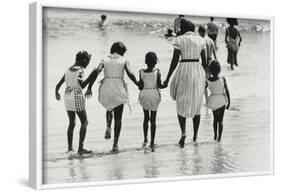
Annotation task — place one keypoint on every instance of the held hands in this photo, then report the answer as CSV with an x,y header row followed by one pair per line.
x,y
227,106
57,96
165,83
88,94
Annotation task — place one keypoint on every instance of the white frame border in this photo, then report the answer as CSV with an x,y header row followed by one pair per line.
x,y
36,94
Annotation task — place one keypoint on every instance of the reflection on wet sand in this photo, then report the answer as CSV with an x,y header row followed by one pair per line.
x,y
151,166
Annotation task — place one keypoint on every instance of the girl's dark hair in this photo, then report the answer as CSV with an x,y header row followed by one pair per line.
x,y
83,58
232,21
202,29
186,26
119,48
151,58
103,17
215,68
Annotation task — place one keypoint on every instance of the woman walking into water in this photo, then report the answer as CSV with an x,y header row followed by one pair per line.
x,y
188,84
113,93
74,100
233,41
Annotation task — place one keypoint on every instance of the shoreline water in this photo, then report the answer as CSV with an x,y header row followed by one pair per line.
x,y
245,143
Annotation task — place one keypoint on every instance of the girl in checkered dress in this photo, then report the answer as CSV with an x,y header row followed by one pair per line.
x,y
74,100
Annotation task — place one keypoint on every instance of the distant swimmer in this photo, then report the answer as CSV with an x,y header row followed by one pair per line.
x,y
212,30
177,24
102,22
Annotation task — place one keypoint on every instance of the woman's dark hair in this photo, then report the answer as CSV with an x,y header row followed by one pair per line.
x,y
151,58
232,21
83,58
103,17
215,68
186,26
119,48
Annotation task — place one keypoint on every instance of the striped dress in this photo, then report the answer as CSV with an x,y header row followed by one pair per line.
x,y
188,84
73,96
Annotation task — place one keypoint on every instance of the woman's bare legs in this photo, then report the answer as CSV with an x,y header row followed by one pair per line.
x,y
196,123
182,122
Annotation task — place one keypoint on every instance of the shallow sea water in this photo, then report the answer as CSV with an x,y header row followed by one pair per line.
x,y
245,145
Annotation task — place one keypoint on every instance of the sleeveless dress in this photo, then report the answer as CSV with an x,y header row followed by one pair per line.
x,y
217,99
149,97
232,44
188,84
73,95
113,89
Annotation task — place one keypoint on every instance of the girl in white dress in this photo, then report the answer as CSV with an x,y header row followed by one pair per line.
x,y
219,100
149,97
188,84
113,93
74,100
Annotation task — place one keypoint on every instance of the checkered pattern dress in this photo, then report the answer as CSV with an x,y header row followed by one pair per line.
x,y
73,96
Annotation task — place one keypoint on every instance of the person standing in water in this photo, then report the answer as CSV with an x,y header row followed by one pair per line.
x,y
102,22
219,100
74,100
212,30
233,41
210,46
113,92
188,84
177,24
149,97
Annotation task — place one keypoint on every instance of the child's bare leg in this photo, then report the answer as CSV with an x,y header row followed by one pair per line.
x,y
235,58
145,126
109,118
215,124
83,130
153,128
182,122
71,117
196,123
118,111
220,119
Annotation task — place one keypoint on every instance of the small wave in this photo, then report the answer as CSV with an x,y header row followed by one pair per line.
x,y
52,25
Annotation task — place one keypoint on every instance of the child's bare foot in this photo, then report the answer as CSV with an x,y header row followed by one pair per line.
x,y
144,144
84,151
115,148
182,140
194,139
152,147
107,133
